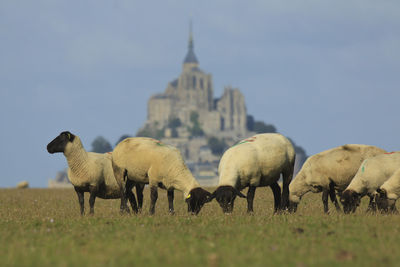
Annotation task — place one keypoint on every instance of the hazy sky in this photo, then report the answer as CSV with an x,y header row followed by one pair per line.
x,y
325,73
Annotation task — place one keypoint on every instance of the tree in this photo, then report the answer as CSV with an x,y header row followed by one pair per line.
x,y
196,129
261,127
101,145
151,131
174,123
217,146
250,123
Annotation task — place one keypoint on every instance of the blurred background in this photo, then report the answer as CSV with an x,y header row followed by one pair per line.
x,y
322,73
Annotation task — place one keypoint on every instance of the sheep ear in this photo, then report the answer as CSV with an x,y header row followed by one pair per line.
x,y
69,136
237,192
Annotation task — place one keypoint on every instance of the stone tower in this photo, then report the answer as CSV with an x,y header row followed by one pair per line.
x,y
192,92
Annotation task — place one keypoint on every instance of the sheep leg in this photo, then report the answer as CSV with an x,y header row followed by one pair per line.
x,y
250,198
332,195
128,188
287,178
93,192
277,196
371,204
325,200
121,177
81,200
393,209
170,194
153,199
139,194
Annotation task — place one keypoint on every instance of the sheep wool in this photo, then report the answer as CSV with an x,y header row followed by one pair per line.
x,y
254,162
91,169
149,161
87,171
392,186
330,170
372,173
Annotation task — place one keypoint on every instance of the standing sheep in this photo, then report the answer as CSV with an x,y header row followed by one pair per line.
x,y
388,193
370,176
255,162
149,161
328,171
89,171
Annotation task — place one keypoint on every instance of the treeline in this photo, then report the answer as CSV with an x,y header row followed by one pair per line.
x,y
217,145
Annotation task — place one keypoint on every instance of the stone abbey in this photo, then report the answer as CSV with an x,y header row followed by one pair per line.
x,y
192,93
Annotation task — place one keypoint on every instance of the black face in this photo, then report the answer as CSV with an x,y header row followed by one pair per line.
x,y
382,200
350,201
196,199
59,143
225,196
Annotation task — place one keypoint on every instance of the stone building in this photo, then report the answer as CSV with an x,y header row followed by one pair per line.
x,y
190,98
192,92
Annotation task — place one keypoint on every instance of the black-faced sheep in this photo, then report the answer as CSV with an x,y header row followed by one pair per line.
x,y
329,171
255,162
89,171
388,193
149,161
370,176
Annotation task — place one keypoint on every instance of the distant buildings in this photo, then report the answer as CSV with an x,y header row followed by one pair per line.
x,y
187,116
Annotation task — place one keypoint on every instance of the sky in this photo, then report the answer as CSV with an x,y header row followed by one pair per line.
x,y
325,73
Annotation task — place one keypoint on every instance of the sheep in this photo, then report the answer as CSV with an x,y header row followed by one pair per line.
x,y
149,161
23,185
89,171
328,171
372,173
255,162
388,193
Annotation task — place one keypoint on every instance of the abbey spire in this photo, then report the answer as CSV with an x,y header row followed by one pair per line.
x,y
190,59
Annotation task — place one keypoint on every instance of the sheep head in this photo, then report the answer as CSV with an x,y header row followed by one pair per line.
x,y
350,201
59,143
196,199
382,200
225,196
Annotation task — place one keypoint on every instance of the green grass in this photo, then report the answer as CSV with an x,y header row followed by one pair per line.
x,y
42,227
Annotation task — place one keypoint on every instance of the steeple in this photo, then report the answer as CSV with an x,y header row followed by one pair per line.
x,y
190,59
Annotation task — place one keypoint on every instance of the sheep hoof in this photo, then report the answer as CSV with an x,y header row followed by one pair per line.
x,y
171,212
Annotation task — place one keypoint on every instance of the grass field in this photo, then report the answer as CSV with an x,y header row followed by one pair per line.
x,y
42,227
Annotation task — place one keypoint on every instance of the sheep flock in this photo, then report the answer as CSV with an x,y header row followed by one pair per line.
x,y
350,171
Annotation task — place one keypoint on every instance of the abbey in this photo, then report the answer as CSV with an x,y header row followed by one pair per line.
x,y
192,95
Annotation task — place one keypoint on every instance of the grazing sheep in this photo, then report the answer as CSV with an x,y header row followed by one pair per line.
x,y
369,177
255,162
23,185
328,171
149,161
388,193
89,171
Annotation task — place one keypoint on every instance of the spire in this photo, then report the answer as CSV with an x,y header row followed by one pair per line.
x,y
190,56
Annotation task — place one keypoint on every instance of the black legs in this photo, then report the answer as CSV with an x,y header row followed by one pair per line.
x,y
81,199
93,193
153,199
171,201
277,196
250,198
